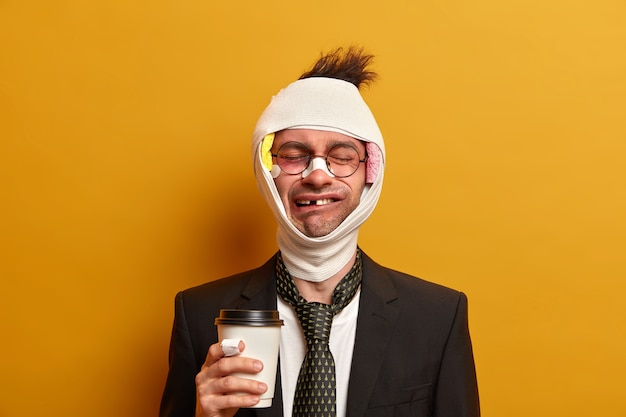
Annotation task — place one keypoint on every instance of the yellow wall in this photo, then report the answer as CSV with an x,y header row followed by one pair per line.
x,y
125,177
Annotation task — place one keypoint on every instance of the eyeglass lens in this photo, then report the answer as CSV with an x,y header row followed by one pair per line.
x,y
294,157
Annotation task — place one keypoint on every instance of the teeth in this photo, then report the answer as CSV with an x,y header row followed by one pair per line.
x,y
314,202
323,202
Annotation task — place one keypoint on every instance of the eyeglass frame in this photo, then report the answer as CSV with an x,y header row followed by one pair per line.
x,y
312,156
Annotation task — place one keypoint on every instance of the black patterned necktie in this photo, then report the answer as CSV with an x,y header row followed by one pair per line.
x,y
316,389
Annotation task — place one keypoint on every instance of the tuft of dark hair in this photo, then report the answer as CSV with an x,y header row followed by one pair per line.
x,y
350,64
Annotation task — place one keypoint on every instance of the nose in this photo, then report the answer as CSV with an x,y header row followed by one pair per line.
x,y
317,162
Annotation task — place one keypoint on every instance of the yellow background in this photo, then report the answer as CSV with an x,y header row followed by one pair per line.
x,y
125,176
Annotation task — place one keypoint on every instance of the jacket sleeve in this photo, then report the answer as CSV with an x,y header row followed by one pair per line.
x,y
179,398
456,392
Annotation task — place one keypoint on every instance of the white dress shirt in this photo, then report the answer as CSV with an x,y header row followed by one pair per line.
x,y
293,350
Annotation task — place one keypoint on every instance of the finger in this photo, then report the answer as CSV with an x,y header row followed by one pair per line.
x,y
225,405
232,384
232,347
239,364
228,392
216,352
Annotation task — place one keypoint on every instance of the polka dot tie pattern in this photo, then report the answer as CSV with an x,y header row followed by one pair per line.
x,y
316,392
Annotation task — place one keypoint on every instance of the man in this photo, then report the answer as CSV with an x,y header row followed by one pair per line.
x,y
398,345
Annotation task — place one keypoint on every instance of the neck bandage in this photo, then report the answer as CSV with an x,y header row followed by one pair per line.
x,y
326,104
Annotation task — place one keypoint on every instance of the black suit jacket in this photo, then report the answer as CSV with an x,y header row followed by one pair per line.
x,y
412,353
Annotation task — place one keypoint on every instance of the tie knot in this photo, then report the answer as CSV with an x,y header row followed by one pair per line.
x,y
316,320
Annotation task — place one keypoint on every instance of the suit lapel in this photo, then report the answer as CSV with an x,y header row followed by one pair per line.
x,y
259,293
377,317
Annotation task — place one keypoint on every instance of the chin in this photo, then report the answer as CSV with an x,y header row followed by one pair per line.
x,y
319,230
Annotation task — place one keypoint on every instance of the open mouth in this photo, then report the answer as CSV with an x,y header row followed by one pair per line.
x,y
322,202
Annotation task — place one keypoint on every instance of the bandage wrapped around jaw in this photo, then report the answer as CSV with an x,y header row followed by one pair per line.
x,y
326,104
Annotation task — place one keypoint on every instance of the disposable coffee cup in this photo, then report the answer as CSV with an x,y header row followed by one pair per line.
x,y
260,331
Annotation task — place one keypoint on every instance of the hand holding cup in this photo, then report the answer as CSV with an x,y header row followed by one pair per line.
x,y
218,392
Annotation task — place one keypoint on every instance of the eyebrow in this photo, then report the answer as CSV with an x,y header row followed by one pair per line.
x,y
340,142
331,142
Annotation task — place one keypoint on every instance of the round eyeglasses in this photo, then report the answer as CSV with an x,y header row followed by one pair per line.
x,y
342,159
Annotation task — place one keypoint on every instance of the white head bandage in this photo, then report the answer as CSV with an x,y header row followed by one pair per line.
x,y
322,104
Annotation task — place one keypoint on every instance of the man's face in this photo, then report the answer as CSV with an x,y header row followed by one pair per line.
x,y
318,203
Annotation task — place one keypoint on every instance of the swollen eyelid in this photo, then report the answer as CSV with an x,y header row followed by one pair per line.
x,y
293,157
